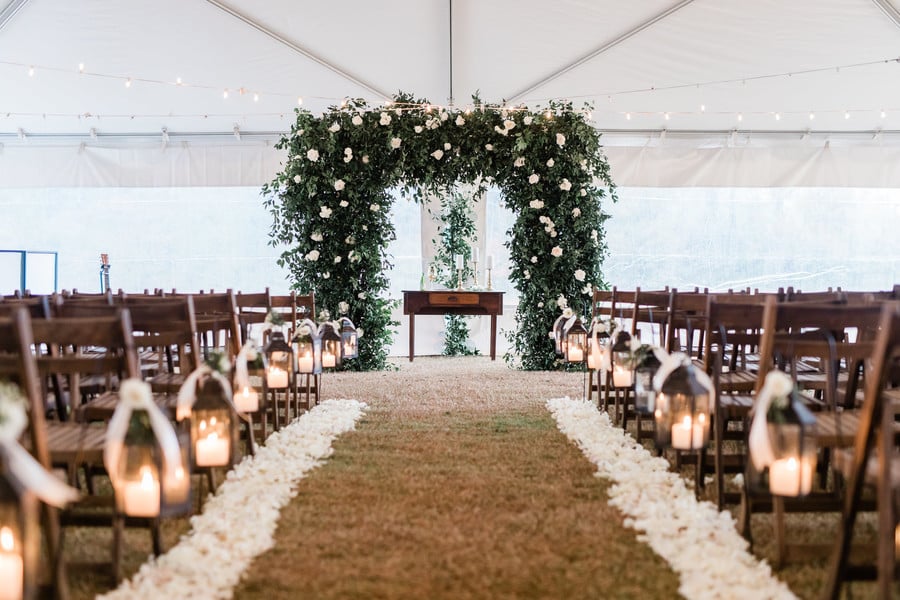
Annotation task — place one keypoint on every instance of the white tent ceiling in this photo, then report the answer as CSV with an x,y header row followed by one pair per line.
x,y
521,50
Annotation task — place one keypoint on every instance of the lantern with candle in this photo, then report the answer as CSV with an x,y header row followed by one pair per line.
x,y
598,344
575,340
622,365
280,360
646,364
214,426
331,344
782,440
556,334
683,404
349,339
250,376
308,348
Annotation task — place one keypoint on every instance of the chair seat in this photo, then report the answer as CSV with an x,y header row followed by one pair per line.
x,y
102,407
737,381
167,383
75,443
836,429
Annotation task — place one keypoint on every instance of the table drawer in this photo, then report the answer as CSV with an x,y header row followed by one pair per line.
x,y
452,299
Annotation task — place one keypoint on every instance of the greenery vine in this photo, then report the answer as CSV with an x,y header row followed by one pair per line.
x,y
330,205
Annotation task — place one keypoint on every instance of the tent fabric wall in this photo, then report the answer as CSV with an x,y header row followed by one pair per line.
x,y
184,164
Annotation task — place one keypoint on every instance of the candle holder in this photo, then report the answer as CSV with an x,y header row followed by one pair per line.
x,y
489,283
432,276
459,279
474,274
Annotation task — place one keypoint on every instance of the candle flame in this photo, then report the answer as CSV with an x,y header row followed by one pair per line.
x,y
212,421
146,477
701,418
686,421
791,463
246,391
213,436
202,425
7,542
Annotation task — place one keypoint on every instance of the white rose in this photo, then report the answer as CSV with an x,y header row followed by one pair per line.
x,y
583,192
779,384
325,212
335,127
534,259
536,204
568,313
326,275
398,112
316,236
365,159
312,154
540,305
534,178
350,240
594,235
562,302
551,162
528,119
460,121
560,139
348,151
361,295
339,185
489,147
509,124
385,119
343,307
356,120
566,185
296,179
557,251
587,289
417,129
438,154
447,146
312,255
576,212
520,162
527,274
445,116
395,142
553,233
580,274
374,207
348,159
337,259
500,130
344,204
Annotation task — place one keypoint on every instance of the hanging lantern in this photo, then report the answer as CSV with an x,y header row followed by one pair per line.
x,y
214,426
148,466
782,439
249,379
308,348
575,340
644,394
349,339
331,344
280,357
683,405
19,537
556,334
622,370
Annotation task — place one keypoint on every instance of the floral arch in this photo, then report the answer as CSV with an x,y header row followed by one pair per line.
x,y
330,204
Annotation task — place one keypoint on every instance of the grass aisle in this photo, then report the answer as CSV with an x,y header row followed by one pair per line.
x,y
456,484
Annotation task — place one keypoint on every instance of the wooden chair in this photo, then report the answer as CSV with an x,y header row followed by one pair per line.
x,y
252,310
874,460
217,323
17,362
621,310
601,306
650,322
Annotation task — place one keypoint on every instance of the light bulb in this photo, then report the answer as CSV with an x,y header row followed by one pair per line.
x,y
81,67
666,116
387,103
548,115
31,71
883,114
702,108
255,97
627,116
178,81
299,100
740,116
846,114
812,116
777,116
128,82
225,94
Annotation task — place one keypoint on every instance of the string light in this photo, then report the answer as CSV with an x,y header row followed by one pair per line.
x,y
31,71
81,67
128,82
883,114
178,81
777,116
628,116
846,114
256,97
740,117
666,116
812,115
702,108
225,94
299,100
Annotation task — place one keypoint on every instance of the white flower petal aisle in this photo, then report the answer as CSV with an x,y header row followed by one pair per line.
x,y
238,523
701,544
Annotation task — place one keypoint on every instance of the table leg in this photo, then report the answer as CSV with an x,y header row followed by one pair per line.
x,y
412,336
493,337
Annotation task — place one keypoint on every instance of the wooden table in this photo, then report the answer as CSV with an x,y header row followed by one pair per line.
x,y
450,302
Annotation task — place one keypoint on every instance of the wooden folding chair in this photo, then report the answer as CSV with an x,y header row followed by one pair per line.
x,y
252,310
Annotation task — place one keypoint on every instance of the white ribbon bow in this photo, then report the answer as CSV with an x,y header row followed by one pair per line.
x,y
670,362
187,395
777,385
241,372
136,395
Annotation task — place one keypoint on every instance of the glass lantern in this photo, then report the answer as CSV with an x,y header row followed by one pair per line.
x,y
308,348
596,344
331,345
280,357
792,435
575,341
683,408
137,481
644,393
214,426
19,536
622,371
556,334
250,395
349,339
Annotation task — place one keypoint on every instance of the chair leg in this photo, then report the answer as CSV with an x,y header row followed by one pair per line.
x,y
156,537
118,531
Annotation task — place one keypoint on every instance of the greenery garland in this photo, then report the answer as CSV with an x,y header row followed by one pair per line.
x,y
457,234
331,200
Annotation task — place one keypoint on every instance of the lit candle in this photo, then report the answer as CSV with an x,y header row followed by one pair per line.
x,y
348,348
489,262
790,477
576,354
212,451
177,486
475,254
141,498
305,363
621,377
277,378
593,359
459,261
247,401
688,435
12,570
328,359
